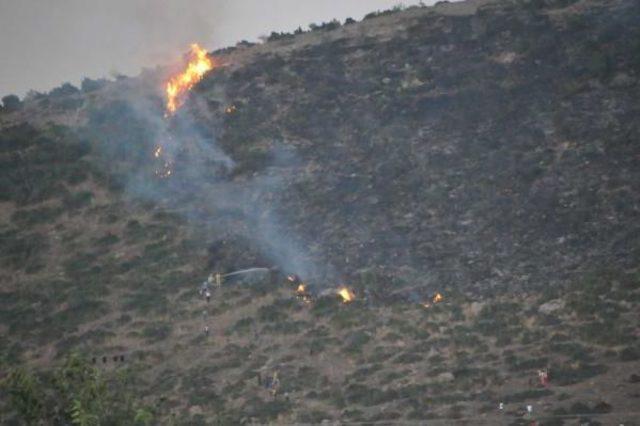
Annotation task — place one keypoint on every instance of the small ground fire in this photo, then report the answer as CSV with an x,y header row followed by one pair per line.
x,y
437,298
346,294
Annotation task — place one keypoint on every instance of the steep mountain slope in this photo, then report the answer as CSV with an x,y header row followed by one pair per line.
x,y
505,159
483,150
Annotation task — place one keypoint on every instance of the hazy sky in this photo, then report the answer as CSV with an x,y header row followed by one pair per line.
x,y
47,42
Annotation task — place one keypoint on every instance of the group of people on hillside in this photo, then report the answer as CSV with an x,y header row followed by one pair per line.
x,y
205,291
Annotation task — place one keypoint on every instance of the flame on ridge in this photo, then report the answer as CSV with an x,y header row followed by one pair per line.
x,y
179,85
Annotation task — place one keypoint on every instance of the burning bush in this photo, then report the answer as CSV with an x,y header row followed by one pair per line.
x,y
346,294
179,85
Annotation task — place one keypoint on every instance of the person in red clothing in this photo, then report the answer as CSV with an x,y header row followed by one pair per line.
x,y
543,377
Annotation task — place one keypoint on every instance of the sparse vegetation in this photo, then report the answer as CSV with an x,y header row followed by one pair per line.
x,y
11,103
75,393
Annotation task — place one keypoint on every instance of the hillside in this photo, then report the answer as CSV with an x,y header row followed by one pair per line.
x,y
485,151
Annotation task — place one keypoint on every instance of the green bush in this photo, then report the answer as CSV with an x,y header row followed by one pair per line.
x,y
80,310
266,411
21,251
501,320
80,265
629,353
528,395
408,358
242,326
145,301
325,306
380,354
65,89
78,200
286,327
107,240
516,364
31,217
575,351
367,396
568,375
313,417
355,341
89,85
74,393
11,103
271,313
157,331
607,333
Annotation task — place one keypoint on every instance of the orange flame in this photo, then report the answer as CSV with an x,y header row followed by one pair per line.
x,y
301,289
346,294
179,85
437,298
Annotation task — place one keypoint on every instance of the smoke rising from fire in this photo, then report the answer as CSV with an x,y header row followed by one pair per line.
x,y
182,168
68,40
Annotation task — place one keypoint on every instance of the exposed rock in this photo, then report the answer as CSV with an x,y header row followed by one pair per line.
x,y
506,57
622,80
445,377
475,308
551,306
195,409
